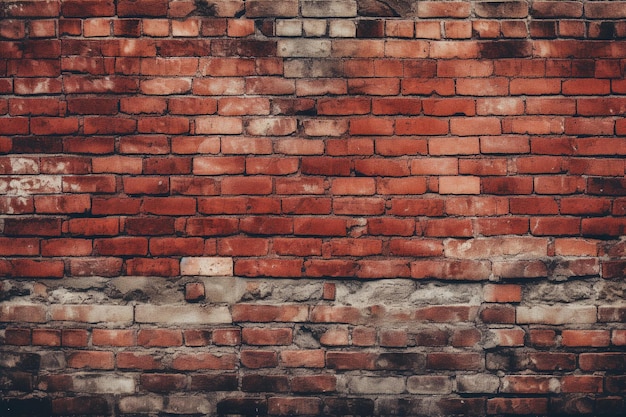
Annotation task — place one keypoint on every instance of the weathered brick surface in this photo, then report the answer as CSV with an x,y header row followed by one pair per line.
x,y
312,207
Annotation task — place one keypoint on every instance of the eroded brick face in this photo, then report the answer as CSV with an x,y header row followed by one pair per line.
x,y
312,207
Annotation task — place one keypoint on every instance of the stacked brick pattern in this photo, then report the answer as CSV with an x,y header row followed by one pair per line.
x,y
312,207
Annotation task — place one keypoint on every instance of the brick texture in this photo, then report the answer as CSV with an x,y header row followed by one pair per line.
x,y
312,207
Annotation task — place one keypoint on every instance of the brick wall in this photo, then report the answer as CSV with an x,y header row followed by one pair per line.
x,y
310,207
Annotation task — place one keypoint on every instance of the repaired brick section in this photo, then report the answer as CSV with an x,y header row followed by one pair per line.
x,y
312,207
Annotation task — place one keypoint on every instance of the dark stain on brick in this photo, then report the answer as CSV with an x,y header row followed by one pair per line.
x,y
205,8
348,406
242,406
607,30
32,407
505,49
370,29
226,382
400,361
32,144
265,26
606,186
389,8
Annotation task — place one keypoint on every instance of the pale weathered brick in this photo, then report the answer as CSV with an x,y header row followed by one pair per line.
x,y
304,48
183,314
329,8
206,266
543,314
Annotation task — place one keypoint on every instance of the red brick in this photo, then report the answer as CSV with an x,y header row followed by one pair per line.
x,y
423,126
169,205
66,247
32,268
358,205
326,166
451,269
256,359
46,337
100,266
391,106
269,313
297,246
266,337
91,360
429,9
133,360
211,226
350,360
299,185
162,267
106,337
269,268
465,337
591,338
314,383
335,337
159,337
19,246
383,269
371,126
163,382
62,204
517,405
454,361
391,227
227,337
302,358
18,337
204,360
353,186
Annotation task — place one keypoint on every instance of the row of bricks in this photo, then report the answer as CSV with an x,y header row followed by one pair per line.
x,y
316,246
240,185
327,405
330,383
335,336
459,127
436,268
490,215
316,48
317,8
154,110
389,162
207,315
286,147
151,107
392,96
320,77
13,29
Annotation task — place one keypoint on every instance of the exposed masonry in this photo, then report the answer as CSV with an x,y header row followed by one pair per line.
x,y
311,207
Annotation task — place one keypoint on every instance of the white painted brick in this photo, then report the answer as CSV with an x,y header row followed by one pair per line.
x,y
342,29
329,8
372,385
92,313
556,314
142,404
182,314
312,48
429,384
105,384
207,266
314,27
289,28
